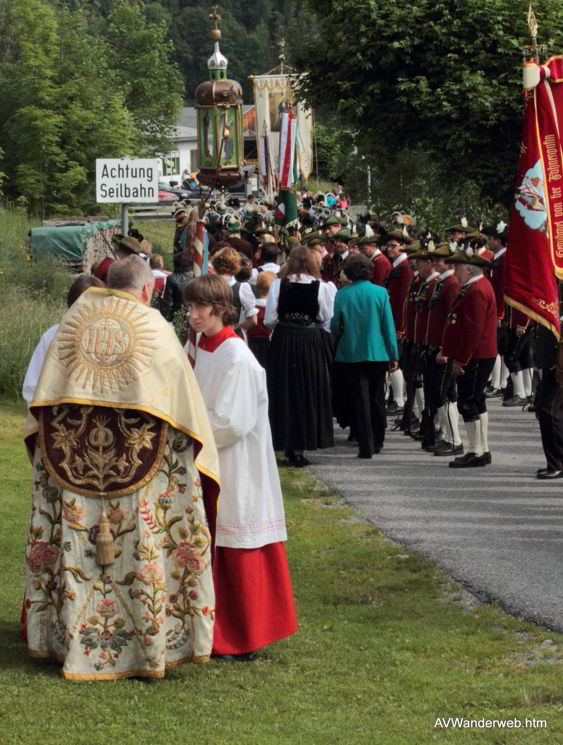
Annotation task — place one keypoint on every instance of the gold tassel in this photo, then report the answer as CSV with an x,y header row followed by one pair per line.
x,y
105,545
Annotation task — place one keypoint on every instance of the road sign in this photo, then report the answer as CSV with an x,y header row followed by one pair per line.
x,y
125,180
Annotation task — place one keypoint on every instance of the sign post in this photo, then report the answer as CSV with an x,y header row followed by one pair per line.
x,y
127,181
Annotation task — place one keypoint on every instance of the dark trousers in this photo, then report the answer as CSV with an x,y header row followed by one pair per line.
x,y
410,366
517,354
366,387
549,407
471,389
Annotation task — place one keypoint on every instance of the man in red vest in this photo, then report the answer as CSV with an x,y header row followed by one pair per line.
x,y
470,345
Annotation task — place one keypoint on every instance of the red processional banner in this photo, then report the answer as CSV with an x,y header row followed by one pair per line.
x,y
287,148
535,241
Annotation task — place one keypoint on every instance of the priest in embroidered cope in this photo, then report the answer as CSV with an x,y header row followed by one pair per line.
x,y
122,450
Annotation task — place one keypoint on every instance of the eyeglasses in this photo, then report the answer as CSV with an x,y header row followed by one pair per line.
x,y
392,245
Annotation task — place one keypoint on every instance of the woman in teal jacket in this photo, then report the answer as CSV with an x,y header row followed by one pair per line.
x,y
367,348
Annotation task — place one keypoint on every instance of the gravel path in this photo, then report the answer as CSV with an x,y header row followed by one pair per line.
x,y
497,529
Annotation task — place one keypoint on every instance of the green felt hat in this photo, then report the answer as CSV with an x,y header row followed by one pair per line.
x,y
411,249
462,227
399,236
344,235
443,250
468,256
313,239
370,240
127,243
500,231
332,220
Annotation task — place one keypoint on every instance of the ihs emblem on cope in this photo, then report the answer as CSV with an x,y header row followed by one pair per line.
x,y
104,345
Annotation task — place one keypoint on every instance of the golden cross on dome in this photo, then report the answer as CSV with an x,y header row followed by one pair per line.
x,y
214,16
282,45
532,23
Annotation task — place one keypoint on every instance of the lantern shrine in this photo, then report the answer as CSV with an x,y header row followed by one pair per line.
x,y
220,139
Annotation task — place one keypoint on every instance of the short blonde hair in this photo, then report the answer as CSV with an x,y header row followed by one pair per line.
x,y
156,261
227,261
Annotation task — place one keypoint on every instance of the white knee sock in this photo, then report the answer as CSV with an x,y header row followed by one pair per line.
x,y
419,400
453,421
474,437
518,383
484,419
503,373
495,375
442,417
397,384
527,375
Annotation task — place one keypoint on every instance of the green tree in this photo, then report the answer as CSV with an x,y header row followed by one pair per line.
x,y
443,75
77,85
140,57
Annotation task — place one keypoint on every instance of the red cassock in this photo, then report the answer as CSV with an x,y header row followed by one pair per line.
x,y
425,292
381,269
398,283
409,309
253,598
471,330
441,303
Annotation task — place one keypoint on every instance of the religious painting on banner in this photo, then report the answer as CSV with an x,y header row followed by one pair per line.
x,y
535,240
273,95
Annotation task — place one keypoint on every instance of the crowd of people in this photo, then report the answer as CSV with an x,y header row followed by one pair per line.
x,y
134,565
334,347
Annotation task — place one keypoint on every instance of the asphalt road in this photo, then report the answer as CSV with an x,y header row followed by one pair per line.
x,y
498,530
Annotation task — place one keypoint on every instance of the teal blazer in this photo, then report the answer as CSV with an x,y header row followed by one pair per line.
x,y
363,324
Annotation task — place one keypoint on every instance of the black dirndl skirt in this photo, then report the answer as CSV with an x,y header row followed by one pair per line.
x,y
260,348
299,388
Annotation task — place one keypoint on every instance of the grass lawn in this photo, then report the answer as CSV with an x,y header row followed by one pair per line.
x,y
385,648
161,234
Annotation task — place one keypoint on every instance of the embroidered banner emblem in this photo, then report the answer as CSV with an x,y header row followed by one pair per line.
x,y
99,451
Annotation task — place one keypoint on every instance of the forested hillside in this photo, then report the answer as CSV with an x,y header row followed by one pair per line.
x,y
83,79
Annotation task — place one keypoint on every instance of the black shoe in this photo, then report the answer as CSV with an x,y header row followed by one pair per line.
x,y
351,438
488,458
433,447
446,448
547,473
491,392
469,460
514,401
245,657
393,408
365,457
297,461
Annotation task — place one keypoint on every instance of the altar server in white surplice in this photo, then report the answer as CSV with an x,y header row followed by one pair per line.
x,y
254,599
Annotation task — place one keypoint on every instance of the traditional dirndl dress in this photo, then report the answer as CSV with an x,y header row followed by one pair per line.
x,y
299,372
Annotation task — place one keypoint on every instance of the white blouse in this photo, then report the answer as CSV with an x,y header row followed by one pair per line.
x,y
327,292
